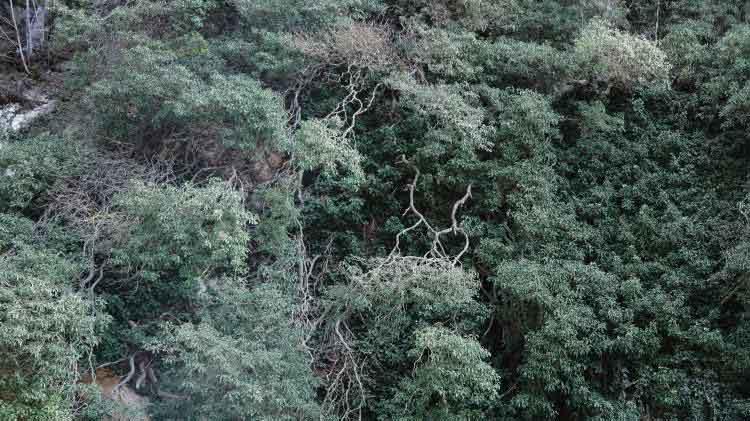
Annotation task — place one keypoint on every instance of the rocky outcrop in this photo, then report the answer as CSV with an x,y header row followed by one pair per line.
x,y
19,107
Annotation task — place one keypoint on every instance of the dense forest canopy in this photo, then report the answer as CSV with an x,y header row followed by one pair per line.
x,y
375,210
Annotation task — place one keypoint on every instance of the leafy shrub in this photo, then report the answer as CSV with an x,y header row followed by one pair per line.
x,y
241,361
451,379
604,52
319,144
129,102
151,100
451,111
297,15
45,329
30,167
394,299
246,115
186,231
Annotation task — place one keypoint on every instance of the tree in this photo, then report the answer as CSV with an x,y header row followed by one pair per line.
x,y
451,380
46,328
243,360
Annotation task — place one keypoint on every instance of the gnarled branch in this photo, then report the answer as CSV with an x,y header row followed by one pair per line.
x,y
437,250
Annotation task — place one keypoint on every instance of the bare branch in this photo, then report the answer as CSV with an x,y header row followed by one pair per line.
x,y
141,377
110,363
18,37
345,394
101,275
127,378
437,250
92,273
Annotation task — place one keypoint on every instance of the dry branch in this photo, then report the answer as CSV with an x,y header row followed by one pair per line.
x,y
127,378
437,250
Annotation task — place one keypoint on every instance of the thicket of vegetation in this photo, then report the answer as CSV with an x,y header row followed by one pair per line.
x,y
379,209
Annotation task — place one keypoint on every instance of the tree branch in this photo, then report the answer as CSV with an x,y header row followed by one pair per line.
x,y
127,378
437,250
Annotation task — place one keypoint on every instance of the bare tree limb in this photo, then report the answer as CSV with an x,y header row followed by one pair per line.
x,y
127,378
142,376
110,363
18,37
437,249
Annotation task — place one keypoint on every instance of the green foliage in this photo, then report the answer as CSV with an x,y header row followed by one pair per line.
x,y
30,167
472,15
530,123
731,83
548,22
45,329
185,234
245,114
604,52
129,102
319,144
463,56
83,26
393,300
412,292
298,15
267,56
14,231
152,94
449,54
450,111
687,48
604,144
577,315
451,379
241,361
517,63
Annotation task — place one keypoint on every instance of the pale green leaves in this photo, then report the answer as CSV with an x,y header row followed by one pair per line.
x,y
45,329
433,288
242,361
246,115
196,231
29,167
451,379
603,52
451,111
295,15
320,144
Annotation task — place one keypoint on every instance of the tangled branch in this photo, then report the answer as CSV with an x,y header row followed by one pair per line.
x,y
437,249
309,273
345,57
346,394
126,379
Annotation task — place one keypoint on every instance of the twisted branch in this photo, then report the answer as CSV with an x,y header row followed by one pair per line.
x,y
123,382
437,250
